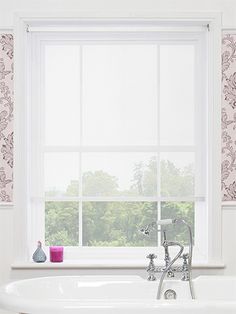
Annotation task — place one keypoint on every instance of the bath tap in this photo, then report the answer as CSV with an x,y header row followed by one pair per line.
x,y
169,270
185,267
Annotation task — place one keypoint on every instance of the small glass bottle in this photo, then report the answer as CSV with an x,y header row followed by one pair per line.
x,y
39,256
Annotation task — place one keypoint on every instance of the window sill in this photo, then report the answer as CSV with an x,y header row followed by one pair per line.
x,y
103,264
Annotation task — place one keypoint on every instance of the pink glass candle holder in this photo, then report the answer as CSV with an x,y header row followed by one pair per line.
x,y
56,254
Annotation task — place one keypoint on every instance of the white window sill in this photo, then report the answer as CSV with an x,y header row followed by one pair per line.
x,y
102,264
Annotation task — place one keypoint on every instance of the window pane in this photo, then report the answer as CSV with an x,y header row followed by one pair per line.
x,y
120,94
177,94
177,174
117,223
62,94
62,223
119,174
61,174
184,210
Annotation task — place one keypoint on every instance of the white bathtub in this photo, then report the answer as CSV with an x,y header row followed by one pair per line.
x,y
118,295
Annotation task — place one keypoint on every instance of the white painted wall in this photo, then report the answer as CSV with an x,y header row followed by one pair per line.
x,y
7,9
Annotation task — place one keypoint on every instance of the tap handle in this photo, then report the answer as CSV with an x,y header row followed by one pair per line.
x,y
151,256
185,256
151,266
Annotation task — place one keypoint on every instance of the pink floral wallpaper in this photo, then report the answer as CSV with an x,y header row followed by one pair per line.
x,y
6,117
228,118
228,166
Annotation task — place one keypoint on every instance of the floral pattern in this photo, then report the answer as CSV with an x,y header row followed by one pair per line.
x,y
6,117
228,118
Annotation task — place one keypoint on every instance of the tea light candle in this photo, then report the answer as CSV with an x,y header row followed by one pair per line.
x,y
56,254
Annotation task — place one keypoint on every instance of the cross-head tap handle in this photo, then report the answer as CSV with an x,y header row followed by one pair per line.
x,y
151,256
185,256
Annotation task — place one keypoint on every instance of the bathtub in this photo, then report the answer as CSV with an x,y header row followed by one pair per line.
x,y
118,295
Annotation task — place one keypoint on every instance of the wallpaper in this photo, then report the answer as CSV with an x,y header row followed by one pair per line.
x,y
6,117
228,118
228,166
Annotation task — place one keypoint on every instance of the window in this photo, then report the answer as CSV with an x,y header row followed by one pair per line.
x,y
117,134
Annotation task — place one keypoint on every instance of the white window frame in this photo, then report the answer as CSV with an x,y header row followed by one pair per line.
x,y
26,223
